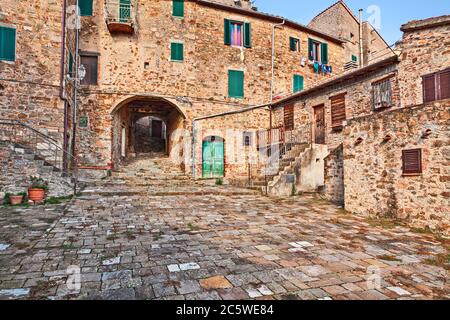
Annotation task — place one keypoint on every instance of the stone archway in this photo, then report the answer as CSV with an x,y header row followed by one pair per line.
x,y
144,125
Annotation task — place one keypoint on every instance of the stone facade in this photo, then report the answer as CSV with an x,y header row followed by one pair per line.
x,y
374,183
425,48
334,176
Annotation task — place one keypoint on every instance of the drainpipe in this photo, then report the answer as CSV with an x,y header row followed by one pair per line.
x,y
360,39
193,149
74,111
62,82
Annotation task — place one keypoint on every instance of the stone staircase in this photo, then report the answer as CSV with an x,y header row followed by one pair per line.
x,y
286,158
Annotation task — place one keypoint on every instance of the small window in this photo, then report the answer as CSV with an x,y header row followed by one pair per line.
x,y
354,58
247,139
318,51
436,86
382,94
90,63
288,117
237,34
412,162
178,8
338,115
86,7
83,122
7,44
298,83
236,84
294,44
177,51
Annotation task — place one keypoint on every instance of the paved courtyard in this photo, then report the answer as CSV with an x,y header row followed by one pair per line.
x,y
150,234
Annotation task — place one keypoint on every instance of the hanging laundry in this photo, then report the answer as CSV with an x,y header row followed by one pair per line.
x,y
303,62
316,67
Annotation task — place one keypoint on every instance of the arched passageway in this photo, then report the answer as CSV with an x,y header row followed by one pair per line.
x,y
143,125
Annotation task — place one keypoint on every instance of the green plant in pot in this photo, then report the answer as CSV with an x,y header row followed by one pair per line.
x,y
17,198
37,189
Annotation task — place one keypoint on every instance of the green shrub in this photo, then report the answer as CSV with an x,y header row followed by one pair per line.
x,y
219,181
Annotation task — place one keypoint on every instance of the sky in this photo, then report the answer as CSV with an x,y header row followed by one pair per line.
x,y
392,13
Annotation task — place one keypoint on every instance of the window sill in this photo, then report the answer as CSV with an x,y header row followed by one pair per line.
x,y
382,108
179,61
411,174
337,128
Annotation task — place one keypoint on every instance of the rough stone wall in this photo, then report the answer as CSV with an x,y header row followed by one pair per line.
x,y
374,184
375,47
29,86
239,159
16,169
334,189
358,102
423,51
139,65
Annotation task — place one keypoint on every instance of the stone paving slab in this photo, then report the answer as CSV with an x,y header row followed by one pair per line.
x,y
140,236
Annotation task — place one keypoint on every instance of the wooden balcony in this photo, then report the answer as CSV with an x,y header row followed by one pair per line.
x,y
120,16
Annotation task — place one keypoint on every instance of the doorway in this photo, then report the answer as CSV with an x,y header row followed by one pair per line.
x,y
319,124
213,157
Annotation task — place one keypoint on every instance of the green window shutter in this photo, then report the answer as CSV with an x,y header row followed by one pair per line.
x,y
354,58
86,7
324,50
178,8
7,44
310,49
247,35
298,83
125,10
70,64
235,84
227,32
292,44
176,51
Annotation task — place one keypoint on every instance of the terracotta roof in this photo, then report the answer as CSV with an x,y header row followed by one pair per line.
x,y
269,17
347,77
426,23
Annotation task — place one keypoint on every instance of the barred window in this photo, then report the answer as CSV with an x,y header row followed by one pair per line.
x,y
382,94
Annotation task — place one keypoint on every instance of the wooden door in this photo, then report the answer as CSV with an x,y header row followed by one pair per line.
x,y
157,128
319,124
213,159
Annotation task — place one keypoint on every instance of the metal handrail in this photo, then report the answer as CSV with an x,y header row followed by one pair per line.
x,y
119,12
32,138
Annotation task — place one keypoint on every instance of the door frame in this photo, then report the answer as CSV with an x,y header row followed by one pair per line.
x,y
315,109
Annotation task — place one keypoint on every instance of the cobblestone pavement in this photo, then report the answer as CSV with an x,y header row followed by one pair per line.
x,y
147,234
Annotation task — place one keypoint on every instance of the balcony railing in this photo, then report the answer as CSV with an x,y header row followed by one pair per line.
x,y
120,16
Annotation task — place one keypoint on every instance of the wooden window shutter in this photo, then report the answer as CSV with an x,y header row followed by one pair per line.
x,y
227,32
298,83
86,7
289,117
71,65
324,51
176,51
235,84
310,49
178,8
338,111
7,44
294,44
429,88
444,85
247,35
412,161
91,65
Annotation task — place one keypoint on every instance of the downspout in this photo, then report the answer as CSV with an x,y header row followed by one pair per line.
x,y
74,111
361,56
62,86
193,148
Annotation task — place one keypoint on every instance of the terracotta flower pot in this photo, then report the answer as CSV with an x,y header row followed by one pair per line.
x,y
36,195
15,200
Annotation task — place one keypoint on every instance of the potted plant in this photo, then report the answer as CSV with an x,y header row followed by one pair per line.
x,y
17,198
36,191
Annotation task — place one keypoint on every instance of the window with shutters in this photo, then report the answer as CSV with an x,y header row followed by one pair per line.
x,y
7,44
237,34
436,86
298,83
318,51
176,51
178,8
382,94
90,63
86,7
412,162
236,84
338,111
294,44
288,117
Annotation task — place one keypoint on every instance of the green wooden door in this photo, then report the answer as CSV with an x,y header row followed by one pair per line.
x,y
213,160
125,10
